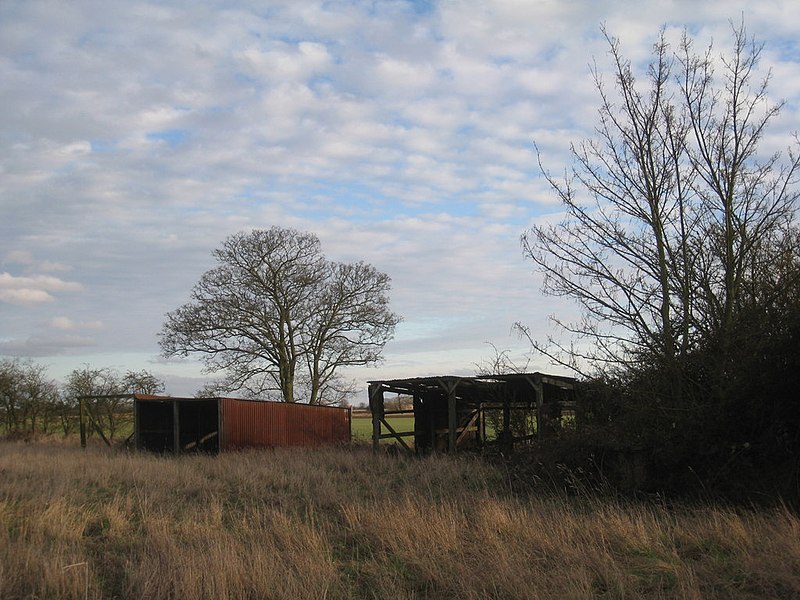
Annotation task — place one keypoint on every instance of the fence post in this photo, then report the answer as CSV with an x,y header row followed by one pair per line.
x,y
81,410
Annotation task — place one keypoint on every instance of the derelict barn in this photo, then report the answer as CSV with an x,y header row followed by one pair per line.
x,y
165,424
450,413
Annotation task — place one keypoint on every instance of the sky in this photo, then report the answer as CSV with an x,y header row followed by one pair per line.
x,y
136,136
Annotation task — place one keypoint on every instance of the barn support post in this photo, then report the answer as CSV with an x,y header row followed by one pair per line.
x,y
451,421
136,426
418,431
376,410
507,436
482,426
87,417
431,424
176,429
452,418
95,425
82,417
538,389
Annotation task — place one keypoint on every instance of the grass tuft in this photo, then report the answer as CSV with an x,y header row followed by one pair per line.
x,y
346,524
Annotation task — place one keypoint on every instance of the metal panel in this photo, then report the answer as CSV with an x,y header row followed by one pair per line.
x,y
251,423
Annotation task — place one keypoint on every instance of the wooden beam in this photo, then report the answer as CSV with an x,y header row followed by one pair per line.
x,y
376,409
482,426
396,435
566,385
82,417
176,428
468,426
539,392
449,387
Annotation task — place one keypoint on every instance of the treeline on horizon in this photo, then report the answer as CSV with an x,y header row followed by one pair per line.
x,y
32,403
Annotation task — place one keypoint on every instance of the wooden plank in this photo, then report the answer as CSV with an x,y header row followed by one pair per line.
x,y
395,435
376,410
468,427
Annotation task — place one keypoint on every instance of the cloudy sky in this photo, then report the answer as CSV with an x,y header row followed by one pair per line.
x,y
135,136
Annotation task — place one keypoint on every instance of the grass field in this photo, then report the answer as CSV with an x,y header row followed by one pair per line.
x,y
362,427
346,524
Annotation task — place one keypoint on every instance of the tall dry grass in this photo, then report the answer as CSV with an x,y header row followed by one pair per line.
x,y
344,523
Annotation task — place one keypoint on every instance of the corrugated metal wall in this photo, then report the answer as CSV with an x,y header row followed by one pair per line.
x,y
247,423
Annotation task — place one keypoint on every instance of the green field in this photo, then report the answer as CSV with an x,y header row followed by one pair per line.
x,y
362,427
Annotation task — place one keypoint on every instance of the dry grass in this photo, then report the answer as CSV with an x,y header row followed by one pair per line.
x,y
347,524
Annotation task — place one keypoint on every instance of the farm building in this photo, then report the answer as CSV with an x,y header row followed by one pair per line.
x,y
166,424
451,413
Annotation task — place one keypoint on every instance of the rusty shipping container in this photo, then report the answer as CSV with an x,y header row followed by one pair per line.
x,y
165,424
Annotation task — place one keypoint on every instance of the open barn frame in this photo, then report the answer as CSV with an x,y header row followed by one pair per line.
x,y
450,412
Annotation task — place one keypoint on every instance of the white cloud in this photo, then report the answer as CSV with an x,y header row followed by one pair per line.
x,y
37,346
137,136
33,290
286,62
19,257
44,282
67,324
26,259
24,296
74,149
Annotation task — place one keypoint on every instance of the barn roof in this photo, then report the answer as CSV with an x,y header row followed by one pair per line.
x,y
464,384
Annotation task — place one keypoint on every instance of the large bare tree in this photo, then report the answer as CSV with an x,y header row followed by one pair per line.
x,y
279,318
671,210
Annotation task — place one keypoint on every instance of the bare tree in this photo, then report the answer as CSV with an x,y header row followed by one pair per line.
x,y
28,398
274,313
669,210
106,390
9,396
745,199
500,362
39,397
141,382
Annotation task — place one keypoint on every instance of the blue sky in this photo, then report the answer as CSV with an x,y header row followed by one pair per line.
x,y
135,136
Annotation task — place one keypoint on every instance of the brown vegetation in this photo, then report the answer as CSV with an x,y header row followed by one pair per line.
x,y
343,523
